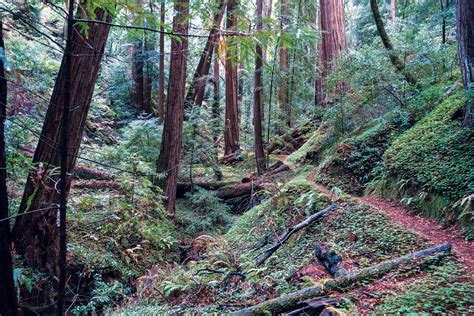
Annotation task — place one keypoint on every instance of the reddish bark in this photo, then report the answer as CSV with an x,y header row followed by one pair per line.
x,y
8,303
168,161
465,33
258,98
161,79
231,125
393,11
195,94
36,234
283,89
332,44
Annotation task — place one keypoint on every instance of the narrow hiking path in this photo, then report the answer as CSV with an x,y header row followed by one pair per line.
x,y
428,228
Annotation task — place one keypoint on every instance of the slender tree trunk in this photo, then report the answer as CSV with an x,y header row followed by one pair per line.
x,y
197,88
283,89
465,32
8,304
333,43
168,161
36,234
161,79
393,11
231,129
396,61
217,96
258,97
137,73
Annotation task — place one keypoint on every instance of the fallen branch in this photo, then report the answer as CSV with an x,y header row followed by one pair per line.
x,y
288,302
281,240
313,307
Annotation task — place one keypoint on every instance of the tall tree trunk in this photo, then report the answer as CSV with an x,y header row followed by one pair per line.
x,y
231,129
141,67
197,88
36,234
333,43
137,73
396,61
258,97
283,89
8,304
63,177
393,11
217,96
465,32
161,79
168,161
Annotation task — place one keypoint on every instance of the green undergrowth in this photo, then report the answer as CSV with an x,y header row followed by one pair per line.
x,y
445,289
312,145
431,166
361,235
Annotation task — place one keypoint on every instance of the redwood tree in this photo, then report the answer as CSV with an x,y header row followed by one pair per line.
x,y
332,43
283,89
258,97
196,90
465,32
161,76
8,304
231,124
168,161
36,234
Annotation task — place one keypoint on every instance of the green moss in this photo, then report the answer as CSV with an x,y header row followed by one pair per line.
x,y
313,144
432,164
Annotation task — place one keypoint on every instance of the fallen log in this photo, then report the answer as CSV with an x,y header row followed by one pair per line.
x,y
86,173
95,184
288,302
185,187
282,239
239,189
312,307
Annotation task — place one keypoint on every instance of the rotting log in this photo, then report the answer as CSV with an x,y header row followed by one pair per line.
x,y
240,189
282,239
96,185
288,302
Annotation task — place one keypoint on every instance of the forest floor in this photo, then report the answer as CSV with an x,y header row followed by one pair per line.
x,y
425,227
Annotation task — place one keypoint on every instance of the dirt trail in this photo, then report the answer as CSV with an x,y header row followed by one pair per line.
x,y
428,228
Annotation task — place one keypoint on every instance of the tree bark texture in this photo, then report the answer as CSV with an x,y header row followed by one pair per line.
x,y
161,76
393,11
465,32
8,303
197,88
168,161
332,43
36,234
283,88
231,124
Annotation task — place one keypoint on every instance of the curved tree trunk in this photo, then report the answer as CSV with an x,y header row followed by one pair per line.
x,y
168,161
231,124
36,234
332,43
465,32
8,304
395,60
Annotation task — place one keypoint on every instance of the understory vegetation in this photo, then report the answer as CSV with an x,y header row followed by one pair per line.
x,y
164,220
